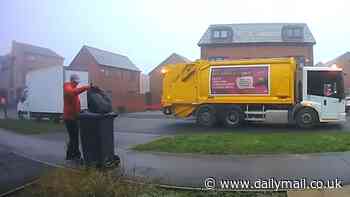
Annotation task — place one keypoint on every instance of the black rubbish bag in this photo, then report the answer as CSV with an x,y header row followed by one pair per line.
x,y
98,101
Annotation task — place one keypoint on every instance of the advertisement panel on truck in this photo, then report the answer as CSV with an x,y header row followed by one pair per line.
x,y
239,80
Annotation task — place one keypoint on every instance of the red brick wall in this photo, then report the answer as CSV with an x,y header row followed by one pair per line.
x,y
156,78
22,63
122,85
25,62
257,51
156,85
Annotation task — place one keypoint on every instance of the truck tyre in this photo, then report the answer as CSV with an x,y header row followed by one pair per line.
x,y
206,116
233,118
306,118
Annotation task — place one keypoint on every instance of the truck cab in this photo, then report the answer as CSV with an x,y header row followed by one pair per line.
x,y
323,91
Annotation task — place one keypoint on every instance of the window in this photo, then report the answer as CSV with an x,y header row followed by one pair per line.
x,y
224,34
117,74
325,83
107,73
297,32
216,34
220,34
133,76
31,57
292,32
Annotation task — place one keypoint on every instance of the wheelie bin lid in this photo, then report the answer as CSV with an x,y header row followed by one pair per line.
x,y
90,115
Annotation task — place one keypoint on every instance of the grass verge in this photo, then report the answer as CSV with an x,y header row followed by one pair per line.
x,y
251,143
30,127
64,183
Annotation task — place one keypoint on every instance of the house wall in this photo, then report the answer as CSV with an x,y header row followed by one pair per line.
x,y
156,85
20,62
123,86
156,79
25,62
6,77
248,51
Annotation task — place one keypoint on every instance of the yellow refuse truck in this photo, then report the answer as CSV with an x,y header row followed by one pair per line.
x,y
277,90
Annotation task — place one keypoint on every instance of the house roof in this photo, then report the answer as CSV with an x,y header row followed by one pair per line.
x,y
174,58
319,64
256,33
107,58
35,49
342,58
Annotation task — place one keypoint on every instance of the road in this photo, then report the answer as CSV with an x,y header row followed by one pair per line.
x,y
189,169
157,123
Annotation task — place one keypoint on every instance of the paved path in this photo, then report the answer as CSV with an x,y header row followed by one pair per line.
x,y
16,170
191,170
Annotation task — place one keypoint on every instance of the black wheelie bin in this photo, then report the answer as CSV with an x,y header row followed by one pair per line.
x,y
96,130
97,139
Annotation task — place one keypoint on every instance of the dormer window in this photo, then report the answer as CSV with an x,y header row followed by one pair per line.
x,y
293,33
220,34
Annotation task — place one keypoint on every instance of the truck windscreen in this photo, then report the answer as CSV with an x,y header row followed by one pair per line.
x,y
325,83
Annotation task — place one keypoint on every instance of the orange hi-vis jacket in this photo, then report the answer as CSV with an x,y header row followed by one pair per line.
x,y
71,107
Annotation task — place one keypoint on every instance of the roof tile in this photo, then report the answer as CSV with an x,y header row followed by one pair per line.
x,y
35,49
111,59
257,33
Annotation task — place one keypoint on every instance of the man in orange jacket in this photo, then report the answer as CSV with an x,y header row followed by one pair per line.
x,y
71,113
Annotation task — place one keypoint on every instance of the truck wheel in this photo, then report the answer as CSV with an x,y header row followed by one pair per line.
x,y
206,116
233,118
306,118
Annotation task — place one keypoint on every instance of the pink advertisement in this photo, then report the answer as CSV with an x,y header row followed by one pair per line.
x,y
239,80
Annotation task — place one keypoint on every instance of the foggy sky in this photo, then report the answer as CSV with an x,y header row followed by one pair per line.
x,y
149,31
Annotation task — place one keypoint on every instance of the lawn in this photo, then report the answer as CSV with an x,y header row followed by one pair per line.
x,y
243,143
65,183
30,127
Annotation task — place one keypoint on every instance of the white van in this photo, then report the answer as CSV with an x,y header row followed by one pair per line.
x,y
43,96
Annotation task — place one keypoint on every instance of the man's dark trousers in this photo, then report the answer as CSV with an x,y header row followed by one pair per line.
x,y
73,151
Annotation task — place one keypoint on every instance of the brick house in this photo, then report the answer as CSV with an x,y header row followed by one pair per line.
x,y
343,62
262,40
23,58
156,77
114,73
